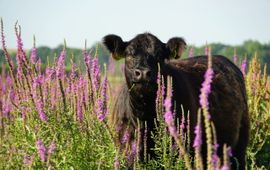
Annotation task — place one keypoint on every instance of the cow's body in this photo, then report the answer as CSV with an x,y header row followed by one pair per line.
x,y
227,101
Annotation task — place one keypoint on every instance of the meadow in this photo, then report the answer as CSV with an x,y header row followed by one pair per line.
x,y
53,119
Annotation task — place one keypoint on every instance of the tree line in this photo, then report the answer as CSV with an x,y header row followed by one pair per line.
x,y
247,50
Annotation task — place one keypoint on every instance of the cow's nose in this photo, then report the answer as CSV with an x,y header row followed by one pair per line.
x,y
138,74
144,74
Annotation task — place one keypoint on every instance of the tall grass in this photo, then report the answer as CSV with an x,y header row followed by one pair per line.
x,y
54,120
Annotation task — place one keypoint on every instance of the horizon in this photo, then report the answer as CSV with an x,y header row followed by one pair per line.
x,y
227,22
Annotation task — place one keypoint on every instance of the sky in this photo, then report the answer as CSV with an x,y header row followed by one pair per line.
x,y
198,21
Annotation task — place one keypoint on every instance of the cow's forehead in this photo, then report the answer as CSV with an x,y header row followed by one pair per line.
x,y
144,44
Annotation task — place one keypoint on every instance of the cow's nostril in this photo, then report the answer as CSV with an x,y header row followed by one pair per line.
x,y
148,74
138,74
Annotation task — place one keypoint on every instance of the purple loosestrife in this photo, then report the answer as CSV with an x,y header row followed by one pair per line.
x,y
205,91
244,66
235,57
116,163
39,66
169,120
79,111
206,88
7,108
215,157
60,73
41,150
37,82
41,112
33,56
8,57
225,167
134,148
49,72
125,137
51,148
168,113
160,92
198,136
60,69
27,160
87,58
19,65
101,105
182,125
79,98
95,73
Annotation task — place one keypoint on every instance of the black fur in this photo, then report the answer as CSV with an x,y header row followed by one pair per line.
x,y
136,101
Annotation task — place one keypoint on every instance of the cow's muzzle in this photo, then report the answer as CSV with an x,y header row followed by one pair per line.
x,y
141,75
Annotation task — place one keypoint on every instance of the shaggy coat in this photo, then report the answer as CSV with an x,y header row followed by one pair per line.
x,y
135,103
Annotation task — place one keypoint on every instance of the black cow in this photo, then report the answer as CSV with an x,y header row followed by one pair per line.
x,y
136,101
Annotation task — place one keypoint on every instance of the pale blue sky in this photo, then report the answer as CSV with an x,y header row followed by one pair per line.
x,y
198,21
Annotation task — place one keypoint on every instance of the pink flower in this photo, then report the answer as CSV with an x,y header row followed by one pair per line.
x,y
182,125
168,116
41,150
101,105
206,88
116,163
51,148
235,59
41,112
79,109
60,69
198,138
125,137
33,56
87,58
95,73
27,160
215,157
244,66
225,167
49,72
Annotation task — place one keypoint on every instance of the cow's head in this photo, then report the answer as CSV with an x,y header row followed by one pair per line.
x,y
142,55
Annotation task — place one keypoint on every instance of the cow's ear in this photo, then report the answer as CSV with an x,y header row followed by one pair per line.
x,y
176,46
115,45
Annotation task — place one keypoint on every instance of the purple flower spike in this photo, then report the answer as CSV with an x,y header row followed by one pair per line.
x,y
33,56
206,88
244,66
225,167
41,150
60,70
125,137
198,138
27,160
116,163
51,148
168,116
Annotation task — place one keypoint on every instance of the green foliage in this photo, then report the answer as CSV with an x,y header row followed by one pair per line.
x,y
89,144
258,91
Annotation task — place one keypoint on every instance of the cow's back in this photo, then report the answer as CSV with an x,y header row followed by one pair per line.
x,y
227,100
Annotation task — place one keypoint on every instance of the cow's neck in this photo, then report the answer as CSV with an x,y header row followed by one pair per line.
x,y
142,106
